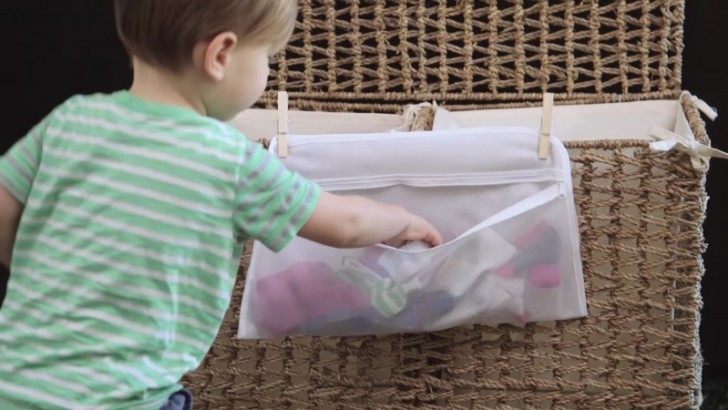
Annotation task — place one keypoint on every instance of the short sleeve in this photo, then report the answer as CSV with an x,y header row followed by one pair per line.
x,y
19,165
273,202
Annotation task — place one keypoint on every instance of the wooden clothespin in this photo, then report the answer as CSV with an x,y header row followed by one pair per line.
x,y
282,124
544,136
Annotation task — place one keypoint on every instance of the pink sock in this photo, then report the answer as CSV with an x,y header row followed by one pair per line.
x,y
545,276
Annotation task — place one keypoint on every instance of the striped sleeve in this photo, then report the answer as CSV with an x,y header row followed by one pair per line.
x,y
273,202
19,165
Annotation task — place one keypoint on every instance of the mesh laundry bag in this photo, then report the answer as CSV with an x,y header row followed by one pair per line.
x,y
639,210
511,251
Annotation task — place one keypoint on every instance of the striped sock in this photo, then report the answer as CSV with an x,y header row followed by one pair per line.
x,y
387,296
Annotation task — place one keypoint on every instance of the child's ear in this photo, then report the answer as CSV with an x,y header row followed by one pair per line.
x,y
217,55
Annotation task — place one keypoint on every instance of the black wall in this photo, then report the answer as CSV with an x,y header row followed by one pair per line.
x,y
705,74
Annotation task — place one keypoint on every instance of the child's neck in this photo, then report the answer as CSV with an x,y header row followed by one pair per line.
x,y
165,87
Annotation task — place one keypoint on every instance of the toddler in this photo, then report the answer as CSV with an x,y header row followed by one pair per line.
x,y
123,215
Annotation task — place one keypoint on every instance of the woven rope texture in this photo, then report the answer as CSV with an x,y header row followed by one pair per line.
x,y
378,54
640,216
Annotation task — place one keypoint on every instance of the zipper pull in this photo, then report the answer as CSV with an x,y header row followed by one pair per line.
x,y
562,189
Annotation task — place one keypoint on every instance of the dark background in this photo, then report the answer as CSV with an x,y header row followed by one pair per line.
x,y
53,49
705,74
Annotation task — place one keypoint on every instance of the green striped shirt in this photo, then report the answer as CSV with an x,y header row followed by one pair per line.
x,y
127,251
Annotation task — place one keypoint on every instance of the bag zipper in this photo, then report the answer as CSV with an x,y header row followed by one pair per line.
x,y
420,180
298,141
556,191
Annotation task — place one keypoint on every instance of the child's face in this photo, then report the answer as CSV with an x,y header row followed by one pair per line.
x,y
245,80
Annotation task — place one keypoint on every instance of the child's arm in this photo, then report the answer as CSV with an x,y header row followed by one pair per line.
x,y
351,222
18,168
274,205
10,210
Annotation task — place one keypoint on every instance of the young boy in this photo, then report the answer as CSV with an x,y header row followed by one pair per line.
x,y
135,206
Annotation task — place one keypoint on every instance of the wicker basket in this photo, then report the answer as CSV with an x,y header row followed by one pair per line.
x,y
640,212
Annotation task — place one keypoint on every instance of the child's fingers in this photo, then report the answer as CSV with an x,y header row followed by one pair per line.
x,y
433,238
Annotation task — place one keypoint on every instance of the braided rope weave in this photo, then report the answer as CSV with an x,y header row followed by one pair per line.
x,y
379,54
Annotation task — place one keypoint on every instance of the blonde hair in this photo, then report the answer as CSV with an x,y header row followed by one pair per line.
x,y
164,32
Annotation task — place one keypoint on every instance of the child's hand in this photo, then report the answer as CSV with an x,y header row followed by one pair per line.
x,y
355,222
10,211
417,229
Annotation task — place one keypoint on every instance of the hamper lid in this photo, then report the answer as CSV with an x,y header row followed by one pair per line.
x,y
378,55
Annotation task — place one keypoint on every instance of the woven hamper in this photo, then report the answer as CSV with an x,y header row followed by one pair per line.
x,y
640,211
